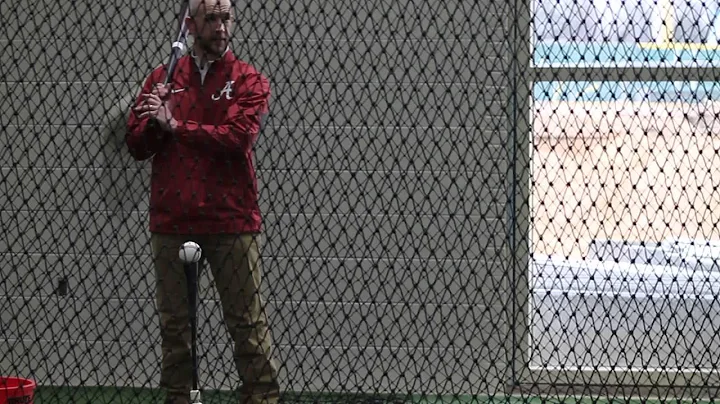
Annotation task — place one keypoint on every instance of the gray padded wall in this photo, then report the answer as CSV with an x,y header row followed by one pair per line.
x,y
383,169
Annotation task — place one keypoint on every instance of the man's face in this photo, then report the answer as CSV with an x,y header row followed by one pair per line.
x,y
211,26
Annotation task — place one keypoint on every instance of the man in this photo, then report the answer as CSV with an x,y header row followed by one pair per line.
x,y
199,132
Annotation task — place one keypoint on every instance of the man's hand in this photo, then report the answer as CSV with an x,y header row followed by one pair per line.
x,y
158,106
161,91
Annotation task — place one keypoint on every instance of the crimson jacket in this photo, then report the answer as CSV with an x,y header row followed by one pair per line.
x,y
203,178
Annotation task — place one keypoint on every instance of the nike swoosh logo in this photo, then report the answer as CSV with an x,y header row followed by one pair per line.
x,y
177,90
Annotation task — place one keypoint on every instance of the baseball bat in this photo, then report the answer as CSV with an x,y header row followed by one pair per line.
x,y
179,45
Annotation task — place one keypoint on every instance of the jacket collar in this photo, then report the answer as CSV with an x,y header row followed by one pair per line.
x,y
224,58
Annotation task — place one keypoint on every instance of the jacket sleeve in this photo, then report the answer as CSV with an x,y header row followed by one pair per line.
x,y
241,126
144,138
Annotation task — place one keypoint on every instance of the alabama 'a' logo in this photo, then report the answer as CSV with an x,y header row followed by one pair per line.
x,y
227,90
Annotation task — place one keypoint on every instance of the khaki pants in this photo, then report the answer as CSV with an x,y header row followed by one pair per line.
x,y
234,261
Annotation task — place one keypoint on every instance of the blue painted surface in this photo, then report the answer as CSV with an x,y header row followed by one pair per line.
x,y
623,54
612,54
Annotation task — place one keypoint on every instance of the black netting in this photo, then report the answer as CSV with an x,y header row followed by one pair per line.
x,y
394,201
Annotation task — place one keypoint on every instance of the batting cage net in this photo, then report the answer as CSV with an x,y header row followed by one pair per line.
x,y
401,201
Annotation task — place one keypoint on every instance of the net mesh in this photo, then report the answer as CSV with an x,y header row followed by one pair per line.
x,y
462,201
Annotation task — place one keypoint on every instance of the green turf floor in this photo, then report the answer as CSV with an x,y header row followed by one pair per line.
x,y
112,395
107,395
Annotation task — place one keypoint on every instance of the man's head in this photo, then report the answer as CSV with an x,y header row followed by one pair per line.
x,y
210,24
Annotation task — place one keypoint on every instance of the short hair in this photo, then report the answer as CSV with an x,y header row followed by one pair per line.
x,y
194,5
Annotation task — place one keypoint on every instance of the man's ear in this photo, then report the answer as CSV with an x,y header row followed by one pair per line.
x,y
190,22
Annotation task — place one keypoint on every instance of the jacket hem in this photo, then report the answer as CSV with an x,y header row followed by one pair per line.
x,y
205,228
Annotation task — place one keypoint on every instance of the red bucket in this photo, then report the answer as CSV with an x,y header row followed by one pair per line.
x,y
15,390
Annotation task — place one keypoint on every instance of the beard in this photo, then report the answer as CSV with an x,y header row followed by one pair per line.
x,y
213,47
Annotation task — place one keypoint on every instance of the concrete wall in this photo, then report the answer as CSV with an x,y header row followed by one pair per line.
x,y
384,174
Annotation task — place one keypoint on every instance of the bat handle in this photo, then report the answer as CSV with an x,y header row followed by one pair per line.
x,y
178,48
